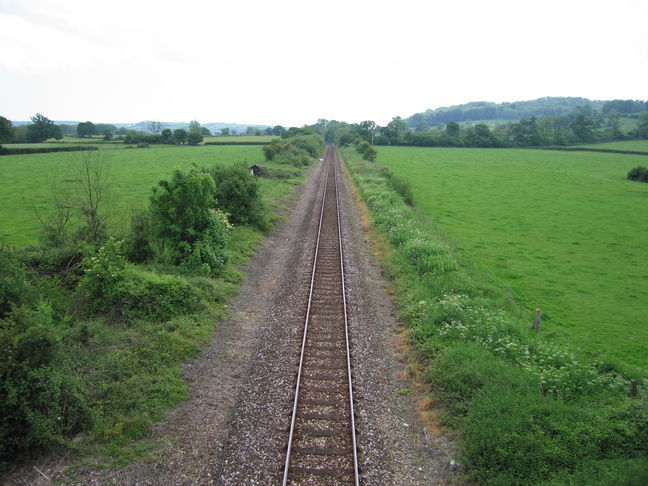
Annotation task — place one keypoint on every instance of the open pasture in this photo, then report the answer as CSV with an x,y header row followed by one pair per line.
x,y
566,231
28,180
630,145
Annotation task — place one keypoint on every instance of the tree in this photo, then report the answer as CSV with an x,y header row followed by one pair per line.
x,y
367,130
180,135
194,137
42,128
194,125
225,132
395,130
108,134
583,128
166,136
86,129
6,130
154,127
642,129
278,131
205,132
92,193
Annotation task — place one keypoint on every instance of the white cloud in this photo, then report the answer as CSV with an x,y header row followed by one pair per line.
x,y
288,62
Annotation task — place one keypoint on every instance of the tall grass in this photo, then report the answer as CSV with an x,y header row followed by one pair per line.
x,y
531,411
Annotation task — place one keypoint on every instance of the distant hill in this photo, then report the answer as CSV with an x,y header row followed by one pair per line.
x,y
484,110
142,126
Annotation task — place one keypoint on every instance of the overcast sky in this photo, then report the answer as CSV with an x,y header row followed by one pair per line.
x,y
292,62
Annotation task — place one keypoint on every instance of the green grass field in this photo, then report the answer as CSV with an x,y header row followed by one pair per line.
x,y
631,145
28,180
566,231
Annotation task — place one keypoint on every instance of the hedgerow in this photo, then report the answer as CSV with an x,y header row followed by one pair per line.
x,y
530,411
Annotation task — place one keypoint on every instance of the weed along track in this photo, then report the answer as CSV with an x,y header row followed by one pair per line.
x,y
322,443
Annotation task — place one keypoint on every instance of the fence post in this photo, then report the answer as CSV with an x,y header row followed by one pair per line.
x,y
538,319
508,295
633,388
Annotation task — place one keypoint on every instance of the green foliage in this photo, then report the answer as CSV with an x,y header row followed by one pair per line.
x,y
209,253
369,153
105,270
402,186
154,297
638,174
6,130
86,129
183,211
42,128
40,402
138,244
238,194
15,290
180,135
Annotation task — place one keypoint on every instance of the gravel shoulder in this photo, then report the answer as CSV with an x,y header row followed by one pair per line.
x,y
233,428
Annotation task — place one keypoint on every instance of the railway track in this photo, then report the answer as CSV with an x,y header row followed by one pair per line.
x,y
322,442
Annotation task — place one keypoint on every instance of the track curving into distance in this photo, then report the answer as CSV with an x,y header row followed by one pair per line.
x,y
322,440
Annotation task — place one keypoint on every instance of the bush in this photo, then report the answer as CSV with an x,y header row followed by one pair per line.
x,y
104,270
238,194
638,174
209,255
313,144
150,296
183,212
14,287
39,402
402,186
369,153
138,244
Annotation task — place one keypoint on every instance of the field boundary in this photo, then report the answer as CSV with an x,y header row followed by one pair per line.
x,y
587,149
43,150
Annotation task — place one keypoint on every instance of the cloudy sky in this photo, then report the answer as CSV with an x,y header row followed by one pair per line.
x,y
292,62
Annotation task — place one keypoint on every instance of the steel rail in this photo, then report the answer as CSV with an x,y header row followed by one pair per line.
x,y
303,346
346,329
331,160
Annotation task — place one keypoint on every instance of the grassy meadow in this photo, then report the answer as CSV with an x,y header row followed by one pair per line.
x,y
630,145
566,231
28,180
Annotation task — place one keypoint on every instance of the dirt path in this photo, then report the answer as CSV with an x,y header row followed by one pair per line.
x,y
233,428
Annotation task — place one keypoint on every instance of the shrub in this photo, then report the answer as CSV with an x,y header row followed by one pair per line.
x,y
209,255
104,271
150,296
369,154
138,244
313,144
402,186
638,174
14,287
183,212
40,403
361,146
238,194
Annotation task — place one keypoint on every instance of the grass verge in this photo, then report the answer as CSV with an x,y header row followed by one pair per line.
x,y
531,411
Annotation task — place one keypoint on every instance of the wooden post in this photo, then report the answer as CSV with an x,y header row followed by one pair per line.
x,y
487,274
508,295
538,319
633,388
